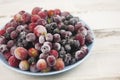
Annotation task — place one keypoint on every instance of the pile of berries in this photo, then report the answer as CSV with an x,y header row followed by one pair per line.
x,y
45,40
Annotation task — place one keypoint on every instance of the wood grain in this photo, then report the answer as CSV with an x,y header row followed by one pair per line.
x,y
102,16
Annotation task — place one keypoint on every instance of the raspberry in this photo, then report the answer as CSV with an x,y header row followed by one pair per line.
x,y
7,55
51,60
54,53
2,32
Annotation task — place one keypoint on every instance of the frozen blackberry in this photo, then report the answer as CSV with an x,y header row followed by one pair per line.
x,y
67,47
62,53
3,48
73,20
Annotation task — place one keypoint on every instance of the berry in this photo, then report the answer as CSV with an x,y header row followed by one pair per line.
x,y
21,53
41,22
33,68
41,39
56,37
57,12
73,20
30,37
26,17
79,55
38,46
10,43
84,49
45,48
13,34
57,19
3,48
13,61
59,64
50,13
2,40
36,10
67,47
32,60
51,60
35,18
78,26
20,28
49,37
81,38
7,55
65,13
67,59
42,14
70,28
10,29
56,31
32,26
24,65
2,32
33,52
57,46
43,55
12,49
40,30
89,37
18,17
62,53
41,64
54,53
48,43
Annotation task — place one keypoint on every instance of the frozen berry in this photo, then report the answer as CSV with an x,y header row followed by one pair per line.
x,y
54,53
50,13
33,52
40,30
13,61
73,20
43,55
57,46
26,17
81,38
41,22
67,59
2,40
49,37
36,10
56,37
24,65
21,53
3,48
10,43
30,37
12,49
51,60
42,14
20,28
79,55
38,46
33,68
70,28
45,48
14,34
10,29
67,47
41,64
84,49
35,18
57,12
59,64
48,43
2,32
89,37
41,39
32,60
32,26
7,55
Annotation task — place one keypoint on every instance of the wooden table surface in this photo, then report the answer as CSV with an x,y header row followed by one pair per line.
x,y
104,18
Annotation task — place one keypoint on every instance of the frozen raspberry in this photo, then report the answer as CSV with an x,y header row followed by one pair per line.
x,y
81,38
2,32
36,10
79,55
7,55
54,53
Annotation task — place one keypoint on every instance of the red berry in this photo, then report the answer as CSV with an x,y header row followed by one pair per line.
x,y
59,64
41,64
36,10
7,55
33,52
81,38
42,14
34,18
2,32
57,12
14,62
32,26
54,53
